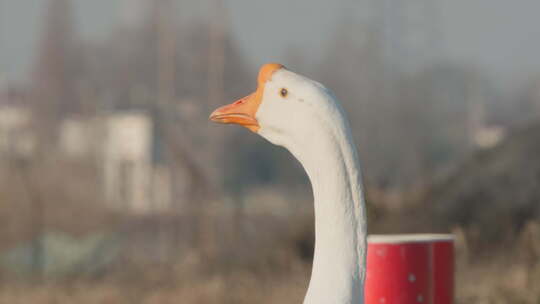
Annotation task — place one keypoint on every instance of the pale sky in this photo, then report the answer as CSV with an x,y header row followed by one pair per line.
x,y
500,36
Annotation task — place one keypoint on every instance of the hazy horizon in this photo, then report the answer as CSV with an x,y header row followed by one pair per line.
x,y
497,37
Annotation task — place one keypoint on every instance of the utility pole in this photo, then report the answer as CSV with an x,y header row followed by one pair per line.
x,y
166,52
216,58
216,70
53,96
166,95
216,73
53,81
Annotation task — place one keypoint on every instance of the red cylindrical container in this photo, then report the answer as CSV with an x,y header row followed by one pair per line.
x,y
410,268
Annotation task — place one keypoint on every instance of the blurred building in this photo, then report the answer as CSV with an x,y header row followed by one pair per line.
x,y
483,133
17,139
487,137
124,145
459,98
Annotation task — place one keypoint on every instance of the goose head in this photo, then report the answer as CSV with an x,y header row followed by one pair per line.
x,y
286,108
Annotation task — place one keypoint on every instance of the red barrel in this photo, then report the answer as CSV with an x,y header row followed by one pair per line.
x,y
410,268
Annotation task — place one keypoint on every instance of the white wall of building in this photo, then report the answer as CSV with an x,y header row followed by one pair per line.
x,y
16,136
123,143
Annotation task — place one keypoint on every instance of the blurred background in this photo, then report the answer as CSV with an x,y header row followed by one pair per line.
x,y
115,188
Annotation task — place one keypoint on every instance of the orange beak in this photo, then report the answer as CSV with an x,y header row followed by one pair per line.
x,y
242,112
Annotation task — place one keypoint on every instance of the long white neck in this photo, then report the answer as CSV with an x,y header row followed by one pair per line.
x,y
331,162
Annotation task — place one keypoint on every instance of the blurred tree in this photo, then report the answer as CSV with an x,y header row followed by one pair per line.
x,y
408,126
57,65
493,194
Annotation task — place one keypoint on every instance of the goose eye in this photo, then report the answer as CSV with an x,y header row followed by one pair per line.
x,y
283,92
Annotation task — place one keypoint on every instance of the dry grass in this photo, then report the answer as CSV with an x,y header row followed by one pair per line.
x,y
481,283
237,287
509,277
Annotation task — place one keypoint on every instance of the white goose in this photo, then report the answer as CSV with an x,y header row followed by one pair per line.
x,y
303,116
